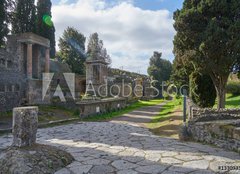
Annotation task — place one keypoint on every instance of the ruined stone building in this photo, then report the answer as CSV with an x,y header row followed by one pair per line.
x,y
25,60
22,63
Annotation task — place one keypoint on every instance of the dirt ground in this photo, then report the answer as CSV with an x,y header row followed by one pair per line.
x,y
169,127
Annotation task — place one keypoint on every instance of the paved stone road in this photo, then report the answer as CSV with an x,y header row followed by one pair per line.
x,y
127,148
140,116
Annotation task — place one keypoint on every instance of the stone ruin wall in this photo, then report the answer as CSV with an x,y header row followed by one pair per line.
x,y
12,82
221,128
195,113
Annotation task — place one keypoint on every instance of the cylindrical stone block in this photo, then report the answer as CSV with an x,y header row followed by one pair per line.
x,y
25,124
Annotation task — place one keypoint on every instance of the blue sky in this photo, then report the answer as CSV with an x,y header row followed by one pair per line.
x,y
170,5
131,29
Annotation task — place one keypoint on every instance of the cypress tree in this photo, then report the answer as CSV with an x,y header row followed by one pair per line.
x,y
208,31
45,26
24,17
72,50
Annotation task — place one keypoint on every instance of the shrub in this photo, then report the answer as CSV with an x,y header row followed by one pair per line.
x,y
76,112
203,92
233,88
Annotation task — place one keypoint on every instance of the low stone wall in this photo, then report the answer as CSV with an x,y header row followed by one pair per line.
x,y
218,127
194,111
222,133
89,108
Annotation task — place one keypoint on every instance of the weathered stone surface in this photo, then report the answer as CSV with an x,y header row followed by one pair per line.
x,y
80,169
25,124
222,133
218,127
45,159
63,171
171,161
179,168
151,169
200,164
127,172
121,164
188,157
102,169
97,162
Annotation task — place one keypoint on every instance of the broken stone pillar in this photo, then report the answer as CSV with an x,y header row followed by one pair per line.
x,y
25,124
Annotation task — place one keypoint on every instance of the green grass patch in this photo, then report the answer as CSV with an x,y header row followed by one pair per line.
x,y
6,114
54,113
232,101
138,104
166,111
168,121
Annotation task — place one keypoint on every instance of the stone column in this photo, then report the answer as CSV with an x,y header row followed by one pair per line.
x,y
25,124
36,62
47,60
29,60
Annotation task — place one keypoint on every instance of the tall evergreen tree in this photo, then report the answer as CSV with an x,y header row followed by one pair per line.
x,y
96,49
159,69
45,26
24,17
210,30
72,50
3,21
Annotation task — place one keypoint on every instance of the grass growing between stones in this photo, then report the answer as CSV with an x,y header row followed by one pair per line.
x,y
47,113
137,105
53,113
168,121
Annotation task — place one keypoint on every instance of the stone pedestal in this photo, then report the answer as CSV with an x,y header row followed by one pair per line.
x,y
25,124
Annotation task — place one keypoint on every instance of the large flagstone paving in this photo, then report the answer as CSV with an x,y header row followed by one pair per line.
x,y
125,148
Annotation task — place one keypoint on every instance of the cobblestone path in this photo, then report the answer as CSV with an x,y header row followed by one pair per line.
x,y
128,148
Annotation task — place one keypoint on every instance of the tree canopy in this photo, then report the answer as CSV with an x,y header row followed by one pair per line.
x,y
45,26
24,17
207,31
72,49
160,69
96,49
202,91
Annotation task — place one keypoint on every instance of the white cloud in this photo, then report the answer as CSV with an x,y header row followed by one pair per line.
x,y
63,1
130,34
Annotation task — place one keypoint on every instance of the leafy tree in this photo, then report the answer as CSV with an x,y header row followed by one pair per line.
x,y
181,71
3,22
202,90
72,49
159,69
209,30
24,17
45,26
96,49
